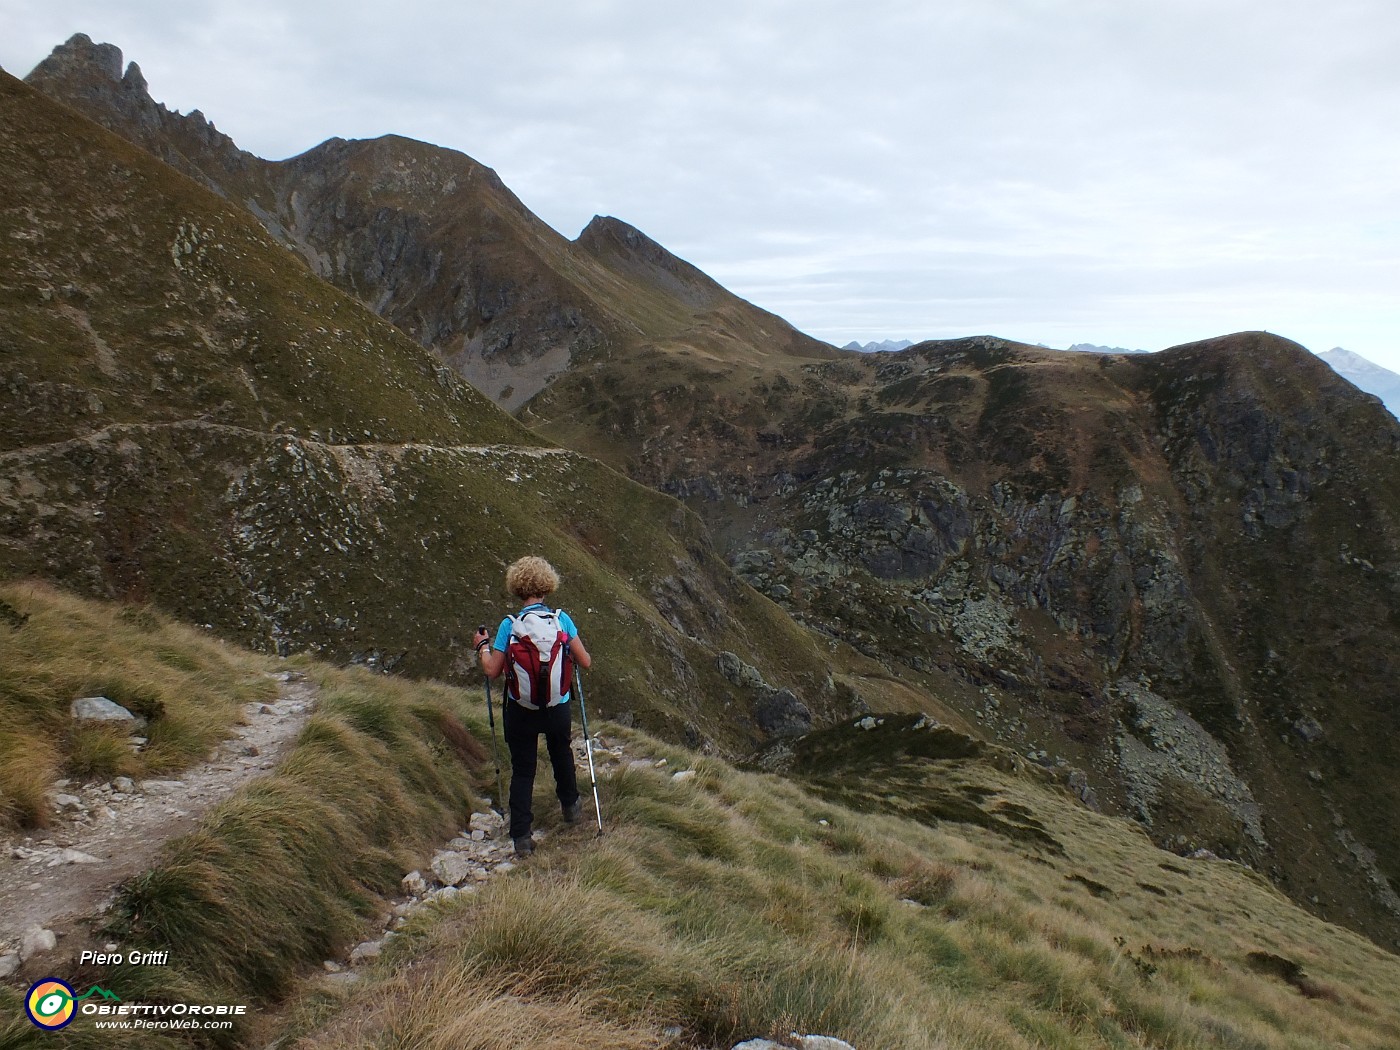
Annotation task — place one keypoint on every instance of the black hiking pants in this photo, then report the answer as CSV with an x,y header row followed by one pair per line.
x,y
522,731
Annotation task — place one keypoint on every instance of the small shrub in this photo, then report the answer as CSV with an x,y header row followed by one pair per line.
x,y
1290,973
12,617
142,617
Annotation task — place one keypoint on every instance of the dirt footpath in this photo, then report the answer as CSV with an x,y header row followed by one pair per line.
x,y
103,833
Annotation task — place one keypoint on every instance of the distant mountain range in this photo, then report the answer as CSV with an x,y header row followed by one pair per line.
x,y
894,345
888,346
1091,348
1367,376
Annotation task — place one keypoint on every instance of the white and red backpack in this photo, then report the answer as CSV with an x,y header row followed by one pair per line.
x,y
539,665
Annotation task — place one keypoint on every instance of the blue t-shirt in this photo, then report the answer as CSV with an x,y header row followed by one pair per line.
x,y
566,624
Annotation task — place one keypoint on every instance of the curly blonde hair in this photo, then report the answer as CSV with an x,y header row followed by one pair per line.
x,y
531,577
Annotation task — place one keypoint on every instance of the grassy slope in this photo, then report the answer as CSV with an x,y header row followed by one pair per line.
x,y
55,648
731,905
739,905
154,301
285,872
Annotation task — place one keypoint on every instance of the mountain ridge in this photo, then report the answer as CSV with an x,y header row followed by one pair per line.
x,y
468,272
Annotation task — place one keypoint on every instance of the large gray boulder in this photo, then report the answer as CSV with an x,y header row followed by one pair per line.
x,y
101,710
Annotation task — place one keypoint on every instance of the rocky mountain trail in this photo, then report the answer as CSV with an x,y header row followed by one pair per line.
x,y
117,431
56,879
480,852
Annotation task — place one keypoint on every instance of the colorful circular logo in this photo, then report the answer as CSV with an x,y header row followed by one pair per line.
x,y
50,1003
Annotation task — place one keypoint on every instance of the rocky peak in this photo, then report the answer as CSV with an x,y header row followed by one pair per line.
x,y
624,247
1262,368
81,68
135,81
89,77
1246,352
79,57
603,229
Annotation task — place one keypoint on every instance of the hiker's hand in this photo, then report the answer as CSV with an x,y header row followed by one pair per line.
x,y
480,636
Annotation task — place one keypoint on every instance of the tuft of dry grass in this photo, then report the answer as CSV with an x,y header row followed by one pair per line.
x,y
28,764
470,1010
56,647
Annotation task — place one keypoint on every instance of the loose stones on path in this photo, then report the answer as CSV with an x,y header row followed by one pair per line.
x,y
478,852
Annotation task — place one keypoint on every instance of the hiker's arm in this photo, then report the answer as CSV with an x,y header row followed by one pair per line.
x,y
581,656
492,662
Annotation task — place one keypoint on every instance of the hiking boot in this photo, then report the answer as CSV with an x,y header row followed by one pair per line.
x,y
573,812
524,846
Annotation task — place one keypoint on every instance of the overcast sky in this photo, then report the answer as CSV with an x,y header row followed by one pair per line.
x,y
1132,173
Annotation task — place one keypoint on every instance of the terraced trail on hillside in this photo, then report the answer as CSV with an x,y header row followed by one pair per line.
x,y
14,456
56,878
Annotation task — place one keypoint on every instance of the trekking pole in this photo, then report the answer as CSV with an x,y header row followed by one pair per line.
x,y
588,746
499,807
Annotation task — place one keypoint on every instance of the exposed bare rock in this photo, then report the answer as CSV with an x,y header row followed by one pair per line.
x,y
101,710
36,941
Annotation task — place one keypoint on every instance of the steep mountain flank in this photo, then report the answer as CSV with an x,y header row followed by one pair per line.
x,y
191,418
1173,578
435,243
1180,572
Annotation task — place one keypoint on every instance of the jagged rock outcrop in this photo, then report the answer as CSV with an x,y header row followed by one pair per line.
x,y
778,711
90,78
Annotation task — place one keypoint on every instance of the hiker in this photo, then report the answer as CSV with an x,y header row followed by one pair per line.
x,y
537,687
